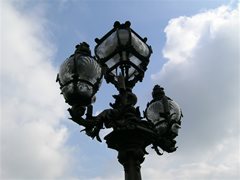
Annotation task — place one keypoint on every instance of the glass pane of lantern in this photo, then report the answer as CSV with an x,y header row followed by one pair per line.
x,y
107,46
123,36
67,90
132,71
66,71
135,60
88,69
153,111
175,111
114,60
140,46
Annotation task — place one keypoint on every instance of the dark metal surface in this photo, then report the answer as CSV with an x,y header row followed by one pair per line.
x,y
130,145
132,132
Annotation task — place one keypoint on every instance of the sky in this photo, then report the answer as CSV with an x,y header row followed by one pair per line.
x,y
196,58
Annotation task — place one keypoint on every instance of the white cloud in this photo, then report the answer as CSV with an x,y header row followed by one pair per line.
x,y
202,74
221,162
32,136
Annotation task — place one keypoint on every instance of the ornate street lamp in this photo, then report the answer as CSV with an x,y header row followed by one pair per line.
x,y
121,56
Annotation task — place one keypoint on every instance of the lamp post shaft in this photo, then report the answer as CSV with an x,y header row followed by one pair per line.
x,y
132,169
131,158
130,145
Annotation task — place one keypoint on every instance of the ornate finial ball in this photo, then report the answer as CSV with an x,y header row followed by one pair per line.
x,y
116,24
158,92
83,48
158,87
127,24
97,40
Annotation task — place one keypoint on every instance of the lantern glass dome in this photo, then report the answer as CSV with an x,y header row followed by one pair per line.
x,y
123,52
79,77
155,111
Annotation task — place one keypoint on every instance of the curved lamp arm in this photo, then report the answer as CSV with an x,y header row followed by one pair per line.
x,y
92,124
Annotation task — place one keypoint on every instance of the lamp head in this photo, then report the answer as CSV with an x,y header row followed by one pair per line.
x,y
80,76
122,52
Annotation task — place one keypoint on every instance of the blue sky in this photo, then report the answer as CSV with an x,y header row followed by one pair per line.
x,y
195,57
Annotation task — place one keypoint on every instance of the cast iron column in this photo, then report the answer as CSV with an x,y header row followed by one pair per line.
x,y
131,160
130,144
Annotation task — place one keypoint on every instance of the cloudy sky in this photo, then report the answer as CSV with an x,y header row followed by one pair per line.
x,y
196,46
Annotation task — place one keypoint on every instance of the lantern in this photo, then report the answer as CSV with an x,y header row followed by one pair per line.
x,y
122,52
80,77
164,113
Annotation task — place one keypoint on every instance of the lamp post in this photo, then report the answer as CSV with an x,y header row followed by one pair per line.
x,y
121,57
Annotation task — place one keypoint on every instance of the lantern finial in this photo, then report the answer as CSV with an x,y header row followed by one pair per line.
x,y
83,48
158,92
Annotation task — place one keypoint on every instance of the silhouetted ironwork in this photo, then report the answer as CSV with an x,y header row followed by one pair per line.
x,y
121,58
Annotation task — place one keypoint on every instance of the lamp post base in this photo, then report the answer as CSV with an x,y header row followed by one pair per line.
x,y
130,145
